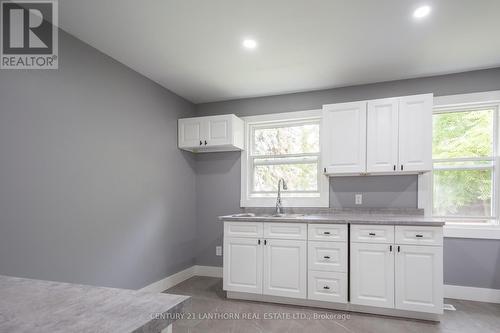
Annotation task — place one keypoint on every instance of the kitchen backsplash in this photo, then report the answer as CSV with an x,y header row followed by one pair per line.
x,y
376,191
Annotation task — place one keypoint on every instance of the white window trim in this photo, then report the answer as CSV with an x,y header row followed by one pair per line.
x,y
464,230
245,199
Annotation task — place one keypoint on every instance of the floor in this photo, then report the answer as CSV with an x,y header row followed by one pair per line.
x,y
208,299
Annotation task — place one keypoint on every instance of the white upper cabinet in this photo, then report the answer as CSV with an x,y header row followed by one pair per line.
x,y
415,133
190,132
213,133
382,135
344,138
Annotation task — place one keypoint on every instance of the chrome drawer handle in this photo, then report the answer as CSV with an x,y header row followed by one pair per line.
x,y
326,232
326,257
419,236
371,234
326,287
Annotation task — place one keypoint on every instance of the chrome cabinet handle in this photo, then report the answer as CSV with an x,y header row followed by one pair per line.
x,y
201,142
326,257
371,234
419,236
326,232
326,287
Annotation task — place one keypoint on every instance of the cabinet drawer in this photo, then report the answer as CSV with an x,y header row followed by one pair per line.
x,y
285,230
418,235
362,233
327,232
243,229
327,286
327,256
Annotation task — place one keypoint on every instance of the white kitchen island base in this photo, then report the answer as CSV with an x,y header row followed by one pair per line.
x,y
335,306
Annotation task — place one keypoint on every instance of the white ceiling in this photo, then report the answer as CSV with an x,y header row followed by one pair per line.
x,y
193,47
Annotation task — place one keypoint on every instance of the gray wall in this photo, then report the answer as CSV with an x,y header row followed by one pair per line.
x,y
218,189
92,186
377,191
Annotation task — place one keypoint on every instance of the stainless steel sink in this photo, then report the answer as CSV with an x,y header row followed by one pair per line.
x,y
244,215
270,216
291,216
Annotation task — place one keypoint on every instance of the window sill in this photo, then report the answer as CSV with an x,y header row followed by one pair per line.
x,y
454,230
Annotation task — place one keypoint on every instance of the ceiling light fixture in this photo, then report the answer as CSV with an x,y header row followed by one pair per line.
x,y
249,44
421,12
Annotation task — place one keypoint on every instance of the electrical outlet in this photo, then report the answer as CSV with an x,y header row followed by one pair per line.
x,y
218,251
358,199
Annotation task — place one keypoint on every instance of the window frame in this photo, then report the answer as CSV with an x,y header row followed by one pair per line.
x,y
248,197
462,229
493,166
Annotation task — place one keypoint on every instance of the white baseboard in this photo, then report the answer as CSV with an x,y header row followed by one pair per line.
x,y
450,291
174,279
170,281
211,271
472,293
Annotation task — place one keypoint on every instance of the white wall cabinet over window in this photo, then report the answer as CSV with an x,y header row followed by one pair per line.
x,y
212,133
385,136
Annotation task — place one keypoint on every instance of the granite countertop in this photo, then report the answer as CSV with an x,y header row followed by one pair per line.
x,y
352,217
43,306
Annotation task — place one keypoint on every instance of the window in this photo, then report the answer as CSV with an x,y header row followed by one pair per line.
x,y
464,163
283,148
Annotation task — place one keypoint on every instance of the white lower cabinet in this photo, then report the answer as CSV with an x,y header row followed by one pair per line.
x,y
419,278
242,270
327,256
390,267
327,263
327,286
260,265
285,267
401,275
372,274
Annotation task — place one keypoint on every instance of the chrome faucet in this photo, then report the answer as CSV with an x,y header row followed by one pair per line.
x,y
279,207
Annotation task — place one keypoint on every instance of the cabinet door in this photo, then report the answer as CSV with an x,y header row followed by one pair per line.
x,y
372,274
419,278
218,130
285,268
415,133
190,132
344,138
382,135
243,265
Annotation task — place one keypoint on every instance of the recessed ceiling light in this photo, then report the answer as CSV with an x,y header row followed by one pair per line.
x,y
249,44
421,12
